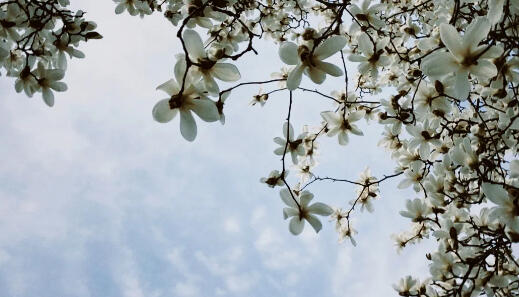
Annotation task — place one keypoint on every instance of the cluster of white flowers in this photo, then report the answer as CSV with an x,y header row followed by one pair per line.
x,y
451,121
35,39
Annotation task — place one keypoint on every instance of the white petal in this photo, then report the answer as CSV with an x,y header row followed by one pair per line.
x,y
162,113
439,64
226,72
316,75
287,128
294,78
58,86
210,84
305,198
491,53
205,109
296,226
48,97
120,8
494,193
75,53
314,222
18,85
293,156
180,69
287,198
187,125
170,87
365,45
289,212
476,31
330,46
62,60
288,53
331,117
405,183
279,151
194,44
355,116
343,138
280,141
329,68
484,70
355,130
320,209
452,40
357,58
55,74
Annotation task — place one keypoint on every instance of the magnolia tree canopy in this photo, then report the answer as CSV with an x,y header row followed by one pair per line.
x,y
447,70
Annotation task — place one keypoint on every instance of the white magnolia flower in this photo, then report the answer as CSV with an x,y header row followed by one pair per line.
x,y
295,145
371,55
367,192
507,209
341,125
464,155
206,68
413,176
407,286
63,46
417,210
303,212
465,56
191,100
48,80
282,74
133,7
274,178
347,231
423,137
304,170
366,14
26,81
260,98
311,62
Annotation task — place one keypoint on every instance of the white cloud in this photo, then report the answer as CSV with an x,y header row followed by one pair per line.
x,y
186,290
232,225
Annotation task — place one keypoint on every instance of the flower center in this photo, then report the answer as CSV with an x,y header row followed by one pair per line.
x,y
206,64
469,60
176,101
305,55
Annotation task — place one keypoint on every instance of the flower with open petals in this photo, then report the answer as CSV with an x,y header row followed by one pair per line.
x,y
367,13
48,80
341,125
465,56
206,68
191,99
295,145
507,209
304,211
311,62
371,55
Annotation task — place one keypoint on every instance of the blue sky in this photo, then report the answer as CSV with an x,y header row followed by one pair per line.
x,y
97,199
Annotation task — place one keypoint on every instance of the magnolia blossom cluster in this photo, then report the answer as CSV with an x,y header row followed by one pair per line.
x,y
439,77
35,39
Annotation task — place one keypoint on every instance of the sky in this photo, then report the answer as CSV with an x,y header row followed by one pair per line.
x,y
97,199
